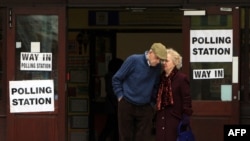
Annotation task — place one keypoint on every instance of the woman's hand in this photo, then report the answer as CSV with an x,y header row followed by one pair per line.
x,y
185,119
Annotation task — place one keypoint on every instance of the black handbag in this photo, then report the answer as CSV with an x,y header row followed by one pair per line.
x,y
184,133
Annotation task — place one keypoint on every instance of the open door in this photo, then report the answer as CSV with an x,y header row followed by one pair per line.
x,y
36,74
211,43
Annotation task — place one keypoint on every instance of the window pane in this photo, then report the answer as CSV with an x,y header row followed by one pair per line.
x,y
210,88
37,28
211,22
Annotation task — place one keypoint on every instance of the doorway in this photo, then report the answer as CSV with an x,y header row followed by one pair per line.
x,y
215,97
223,114
35,98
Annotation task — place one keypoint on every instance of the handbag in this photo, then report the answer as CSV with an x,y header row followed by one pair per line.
x,y
184,132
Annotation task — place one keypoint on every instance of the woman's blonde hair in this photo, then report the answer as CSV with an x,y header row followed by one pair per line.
x,y
176,57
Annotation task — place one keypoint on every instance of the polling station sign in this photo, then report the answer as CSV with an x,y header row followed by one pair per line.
x,y
211,45
31,96
35,61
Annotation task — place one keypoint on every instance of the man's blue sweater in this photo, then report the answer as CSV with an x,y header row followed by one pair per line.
x,y
136,81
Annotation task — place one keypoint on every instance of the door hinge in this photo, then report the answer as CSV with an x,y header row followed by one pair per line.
x,y
10,18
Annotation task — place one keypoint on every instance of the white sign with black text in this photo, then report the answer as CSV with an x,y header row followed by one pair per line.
x,y
31,96
208,73
36,61
211,45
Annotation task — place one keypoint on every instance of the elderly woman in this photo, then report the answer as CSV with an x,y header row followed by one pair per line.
x,y
173,102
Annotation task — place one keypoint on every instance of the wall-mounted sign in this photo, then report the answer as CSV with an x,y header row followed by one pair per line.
x,y
31,96
208,73
211,45
35,61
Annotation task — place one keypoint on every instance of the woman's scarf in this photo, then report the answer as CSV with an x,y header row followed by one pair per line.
x,y
165,95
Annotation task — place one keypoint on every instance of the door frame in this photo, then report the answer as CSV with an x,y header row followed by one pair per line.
x,y
207,111
60,108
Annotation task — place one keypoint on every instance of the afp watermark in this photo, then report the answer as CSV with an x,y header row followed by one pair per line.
x,y
237,132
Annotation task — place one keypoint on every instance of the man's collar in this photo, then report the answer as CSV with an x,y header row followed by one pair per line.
x,y
146,55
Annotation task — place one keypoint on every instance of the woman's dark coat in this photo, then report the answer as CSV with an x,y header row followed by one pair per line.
x,y
167,119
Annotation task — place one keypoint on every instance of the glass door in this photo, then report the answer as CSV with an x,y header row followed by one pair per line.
x,y
212,57
36,74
